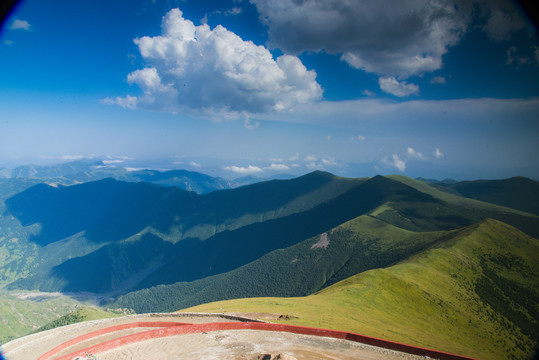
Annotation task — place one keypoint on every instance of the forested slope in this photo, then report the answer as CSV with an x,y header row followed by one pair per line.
x,y
474,293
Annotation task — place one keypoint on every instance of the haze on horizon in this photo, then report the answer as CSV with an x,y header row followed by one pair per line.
x,y
234,88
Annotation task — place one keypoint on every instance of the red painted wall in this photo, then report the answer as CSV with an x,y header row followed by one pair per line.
x,y
170,329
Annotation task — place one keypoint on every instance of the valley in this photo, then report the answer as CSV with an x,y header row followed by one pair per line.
x,y
445,266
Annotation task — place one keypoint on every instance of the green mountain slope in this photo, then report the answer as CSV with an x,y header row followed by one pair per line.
x,y
518,192
117,266
80,315
231,249
116,237
26,312
457,211
161,249
192,259
118,216
109,210
475,294
443,194
358,245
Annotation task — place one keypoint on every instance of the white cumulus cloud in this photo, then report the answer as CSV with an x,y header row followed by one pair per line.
x,y
230,12
111,162
213,71
244,170
438,80
20,25
413,154
395,162
313,165
277,167
438,154
367,92
129,102
294,157
248,124
329,161
398,88
359,137
72,157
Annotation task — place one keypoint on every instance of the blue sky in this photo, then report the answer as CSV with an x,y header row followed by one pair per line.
x,y
234,88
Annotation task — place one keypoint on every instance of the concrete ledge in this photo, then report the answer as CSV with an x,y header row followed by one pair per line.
x,y
220,326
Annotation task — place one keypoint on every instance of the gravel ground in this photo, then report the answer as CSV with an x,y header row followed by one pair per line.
x,y
250,345
231,344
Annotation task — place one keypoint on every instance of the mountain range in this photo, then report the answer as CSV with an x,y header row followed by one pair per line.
x,y
472,293
13,181
149,245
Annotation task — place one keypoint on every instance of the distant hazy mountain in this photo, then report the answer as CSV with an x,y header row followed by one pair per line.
x,y
187,180
13,181
50,171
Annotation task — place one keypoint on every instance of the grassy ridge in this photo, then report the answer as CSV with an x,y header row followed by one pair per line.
x,y
517,192
79,315
25,313
19,316
401,221
480,203
436,299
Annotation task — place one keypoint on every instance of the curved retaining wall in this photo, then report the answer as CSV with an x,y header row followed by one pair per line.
x,y
208,327
111,329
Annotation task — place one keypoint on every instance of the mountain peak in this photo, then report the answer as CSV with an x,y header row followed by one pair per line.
x,y
317,174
